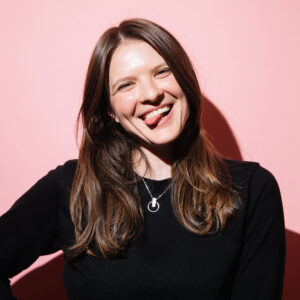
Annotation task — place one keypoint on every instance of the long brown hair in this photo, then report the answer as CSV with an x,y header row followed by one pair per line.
x,y
104,202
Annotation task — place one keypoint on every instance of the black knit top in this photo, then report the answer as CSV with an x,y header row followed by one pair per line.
x,y
246,261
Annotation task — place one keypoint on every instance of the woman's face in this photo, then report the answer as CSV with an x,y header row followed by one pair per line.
x,y
145,97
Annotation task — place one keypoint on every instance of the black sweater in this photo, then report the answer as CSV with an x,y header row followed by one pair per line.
x,y
245,262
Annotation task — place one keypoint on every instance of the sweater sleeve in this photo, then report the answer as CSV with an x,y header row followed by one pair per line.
x,y
29,229
261,269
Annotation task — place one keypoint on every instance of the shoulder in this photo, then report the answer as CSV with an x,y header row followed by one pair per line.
x,y
69,165
45,193
258,187
64,173
249,174
68,168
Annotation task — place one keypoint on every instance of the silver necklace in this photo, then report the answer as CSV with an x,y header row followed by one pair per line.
x,y
153,205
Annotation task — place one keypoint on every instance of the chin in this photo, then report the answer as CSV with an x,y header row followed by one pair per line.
x,y
163,141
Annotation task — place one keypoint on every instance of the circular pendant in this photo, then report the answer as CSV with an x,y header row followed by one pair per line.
x,y
152,208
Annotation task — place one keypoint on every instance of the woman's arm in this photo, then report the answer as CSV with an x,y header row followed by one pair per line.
x,y
29,229
261,270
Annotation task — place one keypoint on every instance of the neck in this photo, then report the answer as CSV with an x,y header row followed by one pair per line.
x,y
160,163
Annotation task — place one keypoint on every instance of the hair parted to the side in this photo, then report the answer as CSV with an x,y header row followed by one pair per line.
x,y
104,202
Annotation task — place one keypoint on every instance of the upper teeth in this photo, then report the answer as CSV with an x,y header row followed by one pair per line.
x,y
157,112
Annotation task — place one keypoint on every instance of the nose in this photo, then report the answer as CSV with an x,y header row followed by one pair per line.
x,y
150,91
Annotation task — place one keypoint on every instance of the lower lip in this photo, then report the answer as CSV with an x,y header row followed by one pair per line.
x,y
166,118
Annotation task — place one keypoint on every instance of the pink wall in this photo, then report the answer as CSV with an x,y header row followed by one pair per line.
x,y
246,54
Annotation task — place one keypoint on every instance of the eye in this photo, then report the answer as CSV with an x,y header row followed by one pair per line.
x,y
124,86
162,72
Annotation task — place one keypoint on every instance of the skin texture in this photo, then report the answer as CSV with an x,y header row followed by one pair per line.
x,y
139,81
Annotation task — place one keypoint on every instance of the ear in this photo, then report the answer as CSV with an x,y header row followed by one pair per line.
x,y
113,116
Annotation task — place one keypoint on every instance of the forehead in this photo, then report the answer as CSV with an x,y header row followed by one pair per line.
x,y
131,56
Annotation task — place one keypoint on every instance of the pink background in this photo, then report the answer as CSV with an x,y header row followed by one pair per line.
x,y
246,54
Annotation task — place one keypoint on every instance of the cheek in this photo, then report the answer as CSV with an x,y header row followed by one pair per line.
x,y
172,86
187,110
123,104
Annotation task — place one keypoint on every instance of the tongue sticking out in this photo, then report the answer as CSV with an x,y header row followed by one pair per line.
x,y
155,119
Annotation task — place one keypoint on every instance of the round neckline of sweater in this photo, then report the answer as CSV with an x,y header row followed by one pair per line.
x,y
154,180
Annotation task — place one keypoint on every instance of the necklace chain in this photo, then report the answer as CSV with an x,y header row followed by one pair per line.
x,y
153,205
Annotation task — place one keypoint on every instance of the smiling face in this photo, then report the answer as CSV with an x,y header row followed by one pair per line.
x,y
145,97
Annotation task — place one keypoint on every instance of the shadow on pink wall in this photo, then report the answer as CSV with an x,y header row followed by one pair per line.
x,y
46,282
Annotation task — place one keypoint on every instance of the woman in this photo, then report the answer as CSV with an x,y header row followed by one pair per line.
x,y
149,210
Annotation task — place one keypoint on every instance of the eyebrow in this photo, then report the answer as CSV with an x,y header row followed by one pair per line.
x,y
131,77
